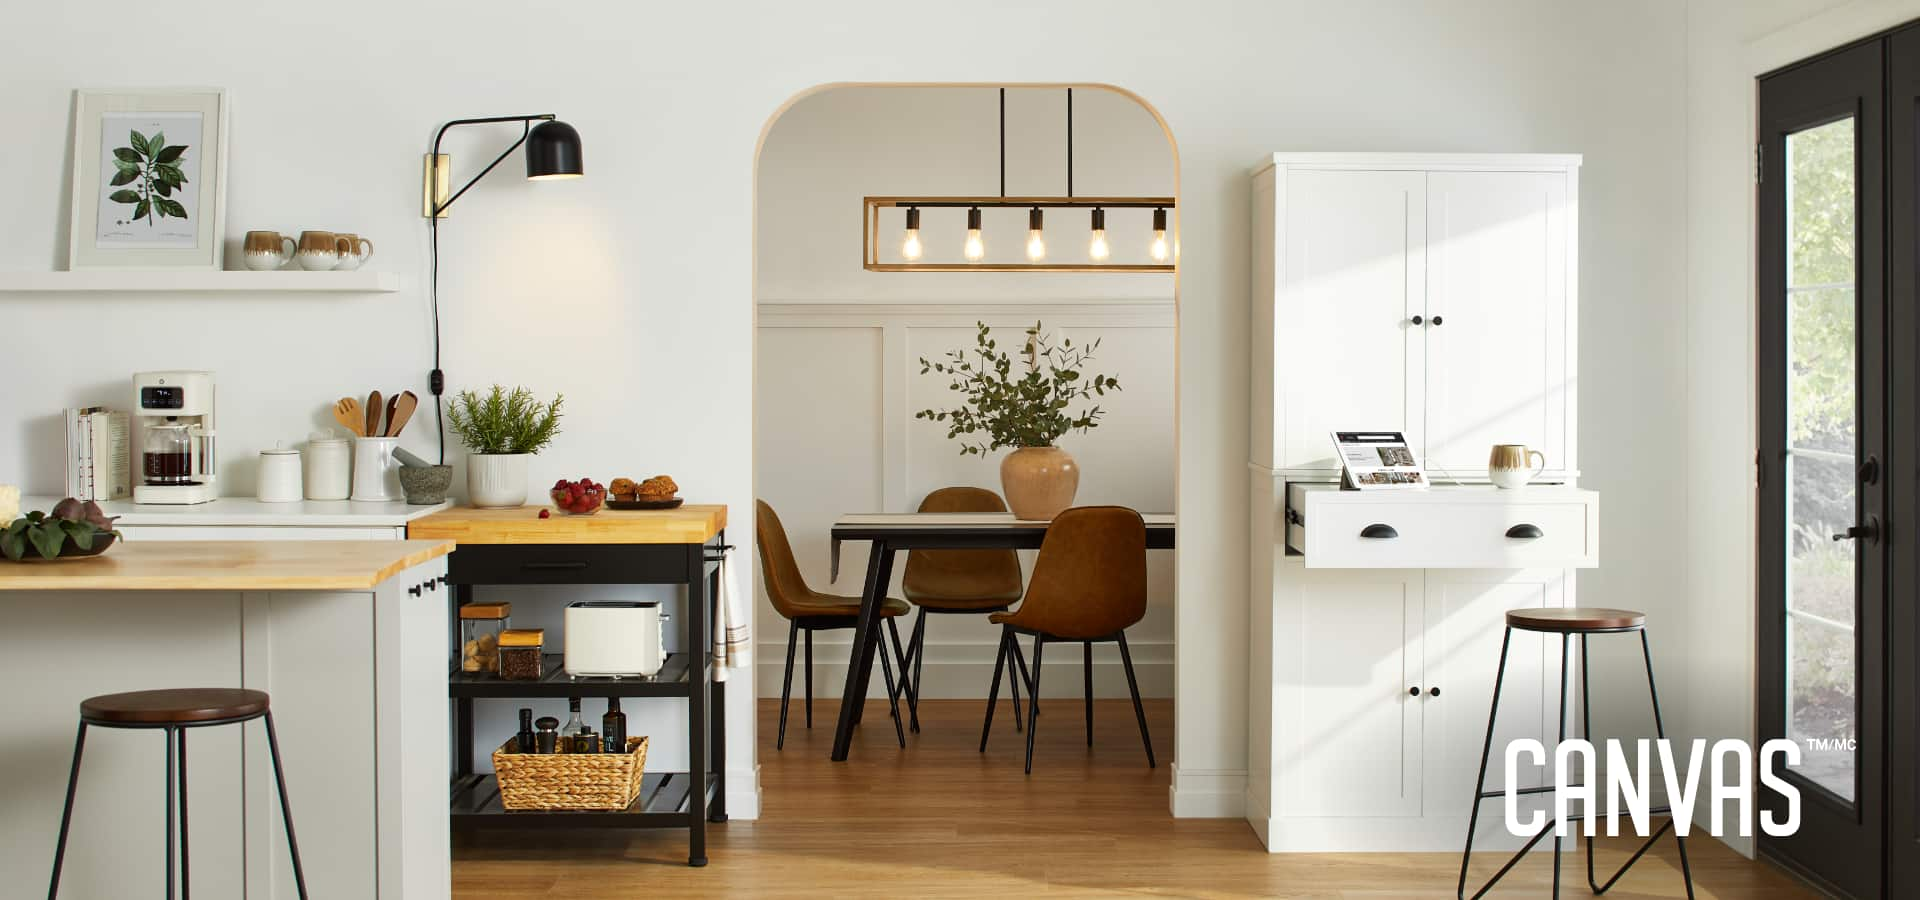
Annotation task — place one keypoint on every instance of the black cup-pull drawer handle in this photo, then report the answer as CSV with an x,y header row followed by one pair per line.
x,y
1379,531
555,565
1525,532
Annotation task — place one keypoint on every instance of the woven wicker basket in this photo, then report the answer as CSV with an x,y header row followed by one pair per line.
x,y
570,780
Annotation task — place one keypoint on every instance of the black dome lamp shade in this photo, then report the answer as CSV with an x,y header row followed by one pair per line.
x,y
553,151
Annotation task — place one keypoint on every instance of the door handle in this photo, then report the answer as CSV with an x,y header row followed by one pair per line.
x,y
1868,531
1379,531
1525,532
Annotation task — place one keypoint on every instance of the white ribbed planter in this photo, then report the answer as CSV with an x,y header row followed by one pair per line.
x,y
497,480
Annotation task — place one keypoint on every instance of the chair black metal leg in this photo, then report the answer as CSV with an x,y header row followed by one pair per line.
x,y
1026,678
917,654
171,822
1480,783
1139,712
1033,692
286,810
66,812
900,656
1086,671
1013,684
809,679
186,878
993,692
786,684
893,696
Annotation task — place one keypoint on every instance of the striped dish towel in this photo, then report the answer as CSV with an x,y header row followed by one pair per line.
x,y
732,626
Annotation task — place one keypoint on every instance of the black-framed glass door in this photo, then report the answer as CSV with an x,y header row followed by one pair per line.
x,y
1823,438
1903,616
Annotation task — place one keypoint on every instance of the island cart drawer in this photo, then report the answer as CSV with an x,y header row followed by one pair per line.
x,y
571,563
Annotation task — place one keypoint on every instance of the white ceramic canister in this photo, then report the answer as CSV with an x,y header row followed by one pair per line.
x,y
375,475
329,464
279,476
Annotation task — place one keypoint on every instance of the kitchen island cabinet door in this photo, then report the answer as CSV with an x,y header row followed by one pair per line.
x,y
1349,729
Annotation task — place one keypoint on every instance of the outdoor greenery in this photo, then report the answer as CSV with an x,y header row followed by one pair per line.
x,y
503,421
153,168
1022,405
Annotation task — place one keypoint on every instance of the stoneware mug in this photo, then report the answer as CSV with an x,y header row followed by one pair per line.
x,y
354,250
318,251
1511,465
265,251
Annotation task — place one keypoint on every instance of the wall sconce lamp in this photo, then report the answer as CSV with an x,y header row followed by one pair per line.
x,y
553,152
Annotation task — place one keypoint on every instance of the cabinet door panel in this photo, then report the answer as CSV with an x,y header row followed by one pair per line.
x,y
1354,245
1497,368
1348,731
1465,618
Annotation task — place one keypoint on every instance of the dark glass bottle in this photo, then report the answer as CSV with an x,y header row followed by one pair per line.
x,y
574,725
548,738
525,741
613,727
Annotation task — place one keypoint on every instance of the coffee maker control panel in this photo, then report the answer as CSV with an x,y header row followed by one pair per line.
x,y
162,398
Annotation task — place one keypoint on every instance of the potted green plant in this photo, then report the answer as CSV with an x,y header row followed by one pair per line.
x,y
1023,404
501,430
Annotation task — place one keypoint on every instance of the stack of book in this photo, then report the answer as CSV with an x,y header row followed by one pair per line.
x,y
99,462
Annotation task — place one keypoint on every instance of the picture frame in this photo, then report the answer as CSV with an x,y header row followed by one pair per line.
x,y
149,179
1378,461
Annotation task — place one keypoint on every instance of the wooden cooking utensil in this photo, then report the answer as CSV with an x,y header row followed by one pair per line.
x,y
392,402
347,412
401,412
374,409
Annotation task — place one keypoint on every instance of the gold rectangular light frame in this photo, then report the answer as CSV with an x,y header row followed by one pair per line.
x,y
870,232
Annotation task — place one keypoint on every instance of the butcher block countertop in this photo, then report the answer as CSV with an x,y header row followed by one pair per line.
x,y
690,524
225,566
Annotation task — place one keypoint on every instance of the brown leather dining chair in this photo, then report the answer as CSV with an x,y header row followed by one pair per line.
x,y
956,582
1089,586
808,611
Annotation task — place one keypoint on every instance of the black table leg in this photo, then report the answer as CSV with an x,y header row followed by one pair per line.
x,y
697,761
866,638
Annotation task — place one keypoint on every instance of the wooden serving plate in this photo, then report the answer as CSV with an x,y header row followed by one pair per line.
x,y
673,503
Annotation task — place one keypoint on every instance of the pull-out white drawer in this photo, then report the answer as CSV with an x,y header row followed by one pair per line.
x,y
1444,528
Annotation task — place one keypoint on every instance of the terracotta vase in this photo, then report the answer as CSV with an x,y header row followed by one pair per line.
x,y
1039,481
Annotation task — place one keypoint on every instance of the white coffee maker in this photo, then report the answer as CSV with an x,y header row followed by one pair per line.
x,y
173,431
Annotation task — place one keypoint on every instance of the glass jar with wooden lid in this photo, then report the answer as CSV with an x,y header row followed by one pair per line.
x,y
520,653
480,628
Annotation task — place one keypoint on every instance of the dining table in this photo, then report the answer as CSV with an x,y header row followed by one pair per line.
x,y
891,532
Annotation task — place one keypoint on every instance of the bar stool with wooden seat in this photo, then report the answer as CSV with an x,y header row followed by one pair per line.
x,y
1582,621
1089,586
808,611
176,711
956,582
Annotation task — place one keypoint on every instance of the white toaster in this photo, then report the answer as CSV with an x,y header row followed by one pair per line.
x,y
614,638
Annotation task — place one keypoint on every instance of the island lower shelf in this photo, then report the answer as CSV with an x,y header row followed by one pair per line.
x,y
670,681
662,804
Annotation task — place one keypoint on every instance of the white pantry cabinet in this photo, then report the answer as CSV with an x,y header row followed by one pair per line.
x,y
1433,294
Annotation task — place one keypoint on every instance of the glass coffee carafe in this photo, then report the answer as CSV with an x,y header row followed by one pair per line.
x,y
167,454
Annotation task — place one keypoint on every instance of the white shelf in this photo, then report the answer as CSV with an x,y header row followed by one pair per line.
x,y
147,281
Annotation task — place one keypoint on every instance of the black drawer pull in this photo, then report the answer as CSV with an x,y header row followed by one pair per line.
x,y
1525,532
1379,531
576,564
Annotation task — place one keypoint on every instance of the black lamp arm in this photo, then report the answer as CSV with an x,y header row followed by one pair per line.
x,y
527,128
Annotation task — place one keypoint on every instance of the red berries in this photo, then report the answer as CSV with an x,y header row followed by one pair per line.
x,y
578,498
546,513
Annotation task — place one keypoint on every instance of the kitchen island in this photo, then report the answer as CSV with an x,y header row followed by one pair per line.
x,y
348,637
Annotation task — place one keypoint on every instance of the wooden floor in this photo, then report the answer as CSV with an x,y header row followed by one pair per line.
x,y
943,820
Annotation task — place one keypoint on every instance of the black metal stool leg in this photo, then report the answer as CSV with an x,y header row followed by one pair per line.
x,y
993,692
66,812
1660,731
786,686
286,810
1565,642
1033,694
1086,669
1480,783
1133,687
186,878
171,758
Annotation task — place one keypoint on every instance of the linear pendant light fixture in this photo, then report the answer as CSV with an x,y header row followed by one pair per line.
x,y
973,249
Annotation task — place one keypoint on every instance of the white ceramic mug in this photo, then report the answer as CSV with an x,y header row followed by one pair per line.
x,y
374,475
1511,465
265,251
317,251
354,250
279,476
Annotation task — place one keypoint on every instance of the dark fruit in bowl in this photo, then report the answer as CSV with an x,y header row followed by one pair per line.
x,y
578,498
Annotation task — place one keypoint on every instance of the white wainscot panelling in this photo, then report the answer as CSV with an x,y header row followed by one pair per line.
x,y
838,385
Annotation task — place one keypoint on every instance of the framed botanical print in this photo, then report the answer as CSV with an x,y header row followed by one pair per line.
x,y
149,178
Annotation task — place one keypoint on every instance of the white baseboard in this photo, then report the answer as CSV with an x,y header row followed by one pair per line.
x,y
963,671
743,793
1207,793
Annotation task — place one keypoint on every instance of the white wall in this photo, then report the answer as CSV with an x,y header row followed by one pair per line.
x,y
1729,43
837,361
654,248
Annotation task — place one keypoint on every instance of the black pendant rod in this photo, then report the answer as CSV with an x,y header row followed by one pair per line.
x,y
1069,142
1003,142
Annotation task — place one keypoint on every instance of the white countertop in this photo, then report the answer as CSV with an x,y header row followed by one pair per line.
x,y
248,511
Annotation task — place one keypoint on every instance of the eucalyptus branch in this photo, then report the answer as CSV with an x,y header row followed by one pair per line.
x,y
1024,407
